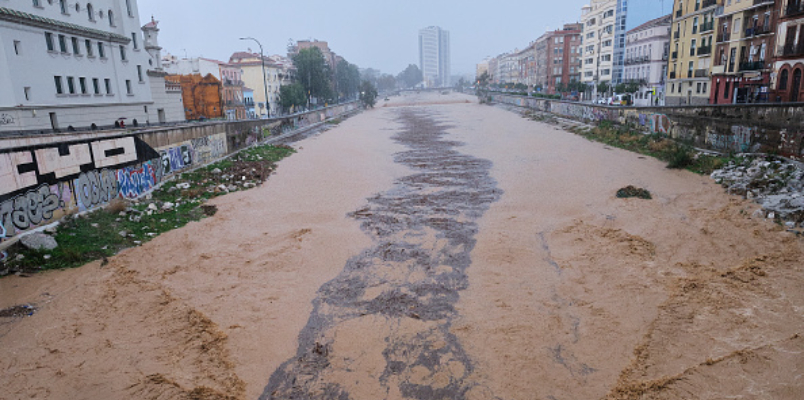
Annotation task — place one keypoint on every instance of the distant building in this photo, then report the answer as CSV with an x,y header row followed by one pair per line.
x,y
603,42
434,56
788,63
69,66
229,75
559,63
646,53
252,76
693,36
248,100
482,67
743,53
201,94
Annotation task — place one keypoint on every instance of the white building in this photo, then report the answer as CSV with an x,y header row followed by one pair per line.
x,y
646,50
78,65
603,41
434,56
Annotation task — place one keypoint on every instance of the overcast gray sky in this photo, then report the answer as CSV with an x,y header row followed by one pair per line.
x,y
380,34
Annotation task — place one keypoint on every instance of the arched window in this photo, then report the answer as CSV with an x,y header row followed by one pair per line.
x,y
783,79
111,18
90,12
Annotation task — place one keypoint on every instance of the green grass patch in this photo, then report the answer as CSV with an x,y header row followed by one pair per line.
x,y
677,155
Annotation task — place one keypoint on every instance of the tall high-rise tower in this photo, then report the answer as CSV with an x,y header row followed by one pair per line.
x,y
434,56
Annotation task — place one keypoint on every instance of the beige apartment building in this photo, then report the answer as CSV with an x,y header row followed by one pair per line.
x,y
691,47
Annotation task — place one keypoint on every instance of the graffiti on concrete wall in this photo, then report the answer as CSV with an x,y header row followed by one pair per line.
x,y
133,182
22,169
791,143
209,148
656,123
738,140
27,210
6,119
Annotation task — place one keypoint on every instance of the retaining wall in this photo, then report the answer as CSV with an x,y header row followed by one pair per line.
x,y
770,128
43,178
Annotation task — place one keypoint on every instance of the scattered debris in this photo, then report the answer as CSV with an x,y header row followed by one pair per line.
x,y
631,191
775,183
22,310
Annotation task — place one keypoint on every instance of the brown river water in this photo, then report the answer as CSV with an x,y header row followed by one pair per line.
x,y
431,248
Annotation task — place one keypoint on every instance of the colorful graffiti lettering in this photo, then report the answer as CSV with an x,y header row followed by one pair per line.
x,y
95,188
27,210
739,140
134,182
21,170
656,123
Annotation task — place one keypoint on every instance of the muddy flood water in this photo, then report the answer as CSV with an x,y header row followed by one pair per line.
x,y
431,248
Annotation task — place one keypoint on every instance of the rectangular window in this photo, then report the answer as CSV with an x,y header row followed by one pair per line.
x,y
82,83
128,88
704,87
27,91
76,48
139,73
101,50
108,83
36,3
88,45
17,47
96,85
698,88
59,88
123,53
49,41
63,43
134,40
71,84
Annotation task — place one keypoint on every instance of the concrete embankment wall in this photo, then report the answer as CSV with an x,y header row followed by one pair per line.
x,y
45,177
770,128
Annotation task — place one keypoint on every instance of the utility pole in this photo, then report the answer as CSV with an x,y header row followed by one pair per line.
x,y
264,79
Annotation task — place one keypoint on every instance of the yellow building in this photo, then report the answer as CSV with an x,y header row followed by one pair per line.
x,y
693,35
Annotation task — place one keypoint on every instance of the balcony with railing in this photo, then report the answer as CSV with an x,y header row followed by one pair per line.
x,y
708,26
794,8
672,74
723,37
756,31
752,65
758,2
678,13
675,55
231,82
637,60
701,73
704,50
708,3
790,50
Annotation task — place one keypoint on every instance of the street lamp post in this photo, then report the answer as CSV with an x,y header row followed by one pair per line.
x,y
264,79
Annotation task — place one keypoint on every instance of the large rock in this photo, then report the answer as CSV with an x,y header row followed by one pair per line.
x,y
39,241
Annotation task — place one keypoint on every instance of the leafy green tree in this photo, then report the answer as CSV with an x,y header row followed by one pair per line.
x,y
603,87
483,80
291,96
347,79
411,76
313,73
368,94
386,83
